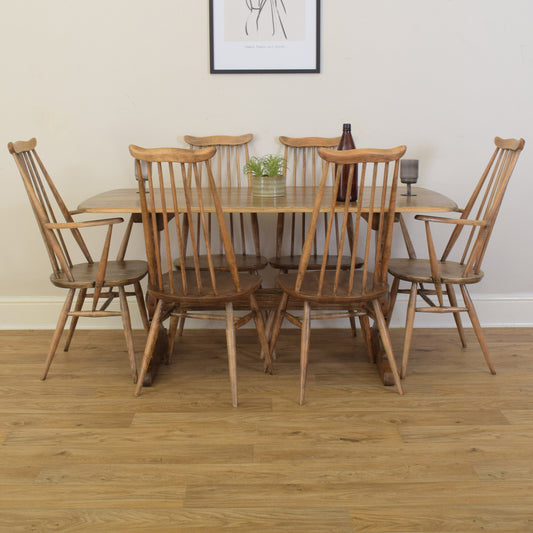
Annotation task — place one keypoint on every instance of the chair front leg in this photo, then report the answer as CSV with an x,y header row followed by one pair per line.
x,y
387,345
456,315
232,352
409,323
58,331
74,320
304,349
128,333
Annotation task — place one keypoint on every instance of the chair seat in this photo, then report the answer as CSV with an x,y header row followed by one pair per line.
x,y
118,273
419,271
311,281
245,263
292,262
225,288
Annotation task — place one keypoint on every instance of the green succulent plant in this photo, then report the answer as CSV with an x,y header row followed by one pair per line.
x,y
269,166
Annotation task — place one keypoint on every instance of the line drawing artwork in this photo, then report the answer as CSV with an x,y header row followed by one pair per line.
x,y
247,36
258,18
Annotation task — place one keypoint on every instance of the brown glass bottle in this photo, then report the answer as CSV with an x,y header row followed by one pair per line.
x,y
346,143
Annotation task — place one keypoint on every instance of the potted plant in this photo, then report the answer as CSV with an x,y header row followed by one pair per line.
x,y
267,175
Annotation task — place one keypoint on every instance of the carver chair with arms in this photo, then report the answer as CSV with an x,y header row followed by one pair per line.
x,y
97,281
370,223
467,245
173,189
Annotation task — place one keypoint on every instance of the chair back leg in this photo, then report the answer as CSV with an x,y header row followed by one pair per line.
x,y
477,327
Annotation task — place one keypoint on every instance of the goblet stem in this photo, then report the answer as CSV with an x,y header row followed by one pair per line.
x,y
409,192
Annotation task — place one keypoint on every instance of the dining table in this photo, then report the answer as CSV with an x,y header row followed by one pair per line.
x,y
297,199
242,200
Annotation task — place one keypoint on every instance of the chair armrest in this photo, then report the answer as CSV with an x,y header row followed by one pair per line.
x,y
84,224
102,264
445,220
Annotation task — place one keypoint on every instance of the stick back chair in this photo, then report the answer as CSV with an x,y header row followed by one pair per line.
x,y
304,168
467,244
370,221
173,189
99,281
232,154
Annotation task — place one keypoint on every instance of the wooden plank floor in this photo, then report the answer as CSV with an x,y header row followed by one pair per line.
x,y
80,453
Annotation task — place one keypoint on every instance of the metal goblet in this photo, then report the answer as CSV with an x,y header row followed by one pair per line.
x,y
408,174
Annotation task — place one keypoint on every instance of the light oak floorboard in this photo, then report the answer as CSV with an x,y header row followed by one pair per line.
x,y
79,452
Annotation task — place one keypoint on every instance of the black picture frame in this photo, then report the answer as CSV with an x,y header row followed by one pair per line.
x,y
244,39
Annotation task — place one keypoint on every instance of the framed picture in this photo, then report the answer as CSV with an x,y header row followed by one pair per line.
x,y
262,36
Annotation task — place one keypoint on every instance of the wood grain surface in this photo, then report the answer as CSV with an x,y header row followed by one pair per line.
x,y
241,200
79,452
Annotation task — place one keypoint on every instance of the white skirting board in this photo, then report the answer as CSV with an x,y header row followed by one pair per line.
x,y
493,311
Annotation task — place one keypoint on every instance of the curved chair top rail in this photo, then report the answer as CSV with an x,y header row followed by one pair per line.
x,y
509,144
217,140
18,147
304,142
171,155
361,155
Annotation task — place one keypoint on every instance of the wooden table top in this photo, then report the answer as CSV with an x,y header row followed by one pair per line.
x,y
296,200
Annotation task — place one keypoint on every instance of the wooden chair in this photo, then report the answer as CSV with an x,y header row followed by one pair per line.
x,y
477,220
184,289
106,279
303,168
231,156
371,226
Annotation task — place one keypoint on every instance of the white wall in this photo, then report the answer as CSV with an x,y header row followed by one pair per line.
x,y
88,78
